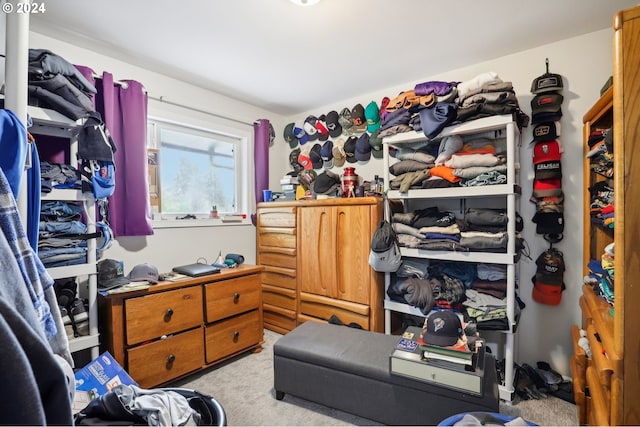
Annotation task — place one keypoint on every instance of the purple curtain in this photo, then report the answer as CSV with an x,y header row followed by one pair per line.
x,y
261,159
124,110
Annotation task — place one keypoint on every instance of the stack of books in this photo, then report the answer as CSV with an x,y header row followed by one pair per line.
x,y
289,185
447,367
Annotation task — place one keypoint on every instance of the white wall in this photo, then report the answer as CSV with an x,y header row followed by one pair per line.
x,y
585,63
169,247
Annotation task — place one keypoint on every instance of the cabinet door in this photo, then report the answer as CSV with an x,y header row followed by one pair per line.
x,y
353,241
316,263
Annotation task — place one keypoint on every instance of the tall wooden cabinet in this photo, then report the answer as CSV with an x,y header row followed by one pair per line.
x,y
315,255
607,385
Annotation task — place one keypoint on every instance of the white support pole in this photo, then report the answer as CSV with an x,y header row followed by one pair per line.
x,y
16,71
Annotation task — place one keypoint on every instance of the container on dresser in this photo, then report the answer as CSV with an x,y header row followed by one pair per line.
x,y
51,123
175,328
315,254
610,379
458,200
277,250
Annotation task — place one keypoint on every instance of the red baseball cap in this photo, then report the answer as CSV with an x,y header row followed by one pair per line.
x,y
546,294
546,151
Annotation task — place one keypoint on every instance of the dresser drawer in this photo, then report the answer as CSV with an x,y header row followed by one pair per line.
x,y
163,313
232,335
229,297
280,297
163,360
279,276
278,319
278,257
277,217
278,237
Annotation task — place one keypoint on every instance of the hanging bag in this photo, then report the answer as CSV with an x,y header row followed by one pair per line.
x,y
385,254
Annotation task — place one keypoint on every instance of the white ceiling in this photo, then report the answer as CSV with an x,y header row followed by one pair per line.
x,y
289,59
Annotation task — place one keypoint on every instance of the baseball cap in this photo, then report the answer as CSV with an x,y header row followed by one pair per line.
x,y
309,127
316,158
545,293
376,144
546,131
363,148
549,223
305,160
326,183
442,328
350,149
346,121
321,127
326,152
300,134
111,274
546,83
289,136
546,103
372,115
333,124
546,151
339,156
547,170
359,120
144,272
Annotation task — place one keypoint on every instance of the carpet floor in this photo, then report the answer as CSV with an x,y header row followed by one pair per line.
x,y
244,387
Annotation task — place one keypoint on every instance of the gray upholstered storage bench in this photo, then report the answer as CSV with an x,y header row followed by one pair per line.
x,y
348,369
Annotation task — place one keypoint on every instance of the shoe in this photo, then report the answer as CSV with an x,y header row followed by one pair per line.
x,y
68,324
79,318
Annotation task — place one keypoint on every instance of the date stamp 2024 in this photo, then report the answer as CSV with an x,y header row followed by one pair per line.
x,y
24,8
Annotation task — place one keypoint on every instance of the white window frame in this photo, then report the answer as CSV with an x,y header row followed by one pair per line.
x,y
244,176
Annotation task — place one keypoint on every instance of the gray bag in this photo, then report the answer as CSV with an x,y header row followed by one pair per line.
x,y
385,252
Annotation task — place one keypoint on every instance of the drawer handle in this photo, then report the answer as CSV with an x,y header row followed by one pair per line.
x,y
168,314
236,335
171,359
236,297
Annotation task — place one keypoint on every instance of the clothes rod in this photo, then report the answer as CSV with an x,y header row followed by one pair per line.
x,y
161,99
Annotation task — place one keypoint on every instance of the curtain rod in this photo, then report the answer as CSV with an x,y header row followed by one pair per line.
x,y
161,99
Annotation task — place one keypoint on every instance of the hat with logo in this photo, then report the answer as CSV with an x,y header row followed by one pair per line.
x,y
372,115
376,144
144,272
321,127
304,159
548,281
546,131
548,170
546,103
333,124
315,156
111,274
346,121
339,156
293,160
309,127
326,152
546,151
442,328
547,83
306,178
363,148
289,136
350,149
359,120
300,134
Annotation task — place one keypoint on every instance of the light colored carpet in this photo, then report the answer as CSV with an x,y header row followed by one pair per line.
x,y
244,387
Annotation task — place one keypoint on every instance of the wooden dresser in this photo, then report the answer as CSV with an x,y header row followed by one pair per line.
x,y
607,384
316,259
176,328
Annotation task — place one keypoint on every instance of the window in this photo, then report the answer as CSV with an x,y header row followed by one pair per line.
x,y
192,170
